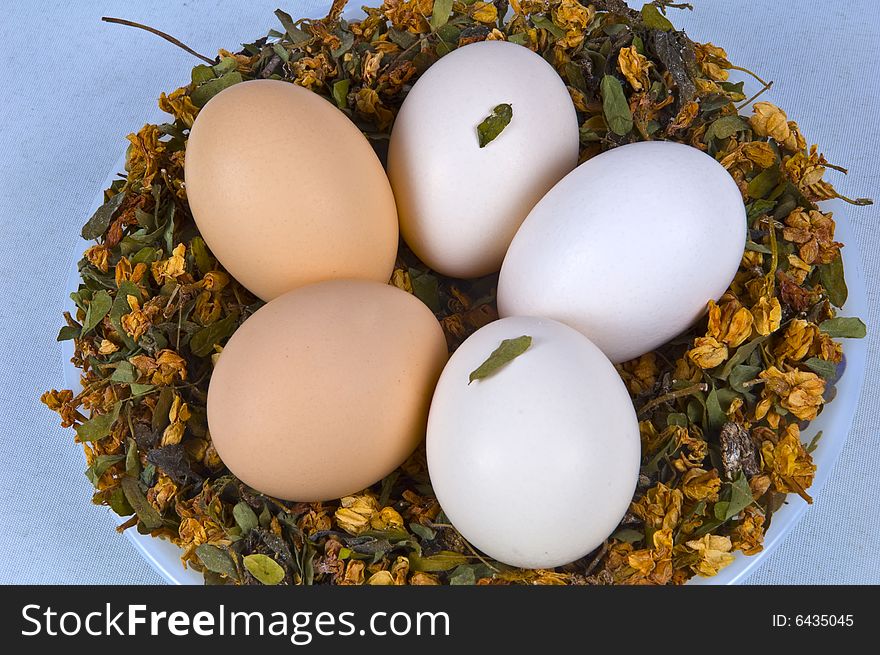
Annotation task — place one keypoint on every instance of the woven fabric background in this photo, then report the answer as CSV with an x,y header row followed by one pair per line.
x,y
73,87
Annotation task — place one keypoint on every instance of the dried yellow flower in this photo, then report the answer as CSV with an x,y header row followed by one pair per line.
x,y
698,484
813,231
387,518
355,513
788,463
639,374
634,67
660,507
484,12
729,323
107,347
770,121
714,554
748,535
168,270
144,157
381,578
767,315
574,18
179,105
707,352
422,579
98,256
797,340
135,323
800,392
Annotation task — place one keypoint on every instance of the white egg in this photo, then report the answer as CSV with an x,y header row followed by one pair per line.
x,y
536,464
629,247
459,204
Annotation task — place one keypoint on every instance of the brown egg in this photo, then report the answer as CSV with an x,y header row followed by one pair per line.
x,y
325,390
287,191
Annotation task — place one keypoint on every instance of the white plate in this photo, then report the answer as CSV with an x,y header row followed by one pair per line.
x,y
835,420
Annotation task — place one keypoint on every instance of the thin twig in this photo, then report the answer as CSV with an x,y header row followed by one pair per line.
x,y
153,30
592,565
672,395
756,96
746,70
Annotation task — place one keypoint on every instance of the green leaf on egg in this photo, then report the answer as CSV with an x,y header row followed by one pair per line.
x,y
615,106
509,350
494,124
845,328
264,568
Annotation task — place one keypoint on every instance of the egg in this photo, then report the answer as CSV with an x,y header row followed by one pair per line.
x,y
325,389
460,204
287,191
536,464
629,247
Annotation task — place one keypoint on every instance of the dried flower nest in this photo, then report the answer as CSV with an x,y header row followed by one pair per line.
x,y
721,410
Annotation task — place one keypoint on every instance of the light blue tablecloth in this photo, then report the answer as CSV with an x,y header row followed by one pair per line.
x,y
73,87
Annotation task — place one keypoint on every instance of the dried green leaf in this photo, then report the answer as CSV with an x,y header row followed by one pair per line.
x,y
217,560
822,367
100,220
97,310
654,20
264,568
102,463
203,93
494,124
118,503
725,127
814,442
440,14
764,182
99,426
202,256
509,350
442,561
628,535
202,342
844,327
426,288
132,460
68,332
545,23
296,35
340,92
147,514
742,373
163,406
740,356
737,496
423,532
615,106
463,575
833,281
245,517
125,373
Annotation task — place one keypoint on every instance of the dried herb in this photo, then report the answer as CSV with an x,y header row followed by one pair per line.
x,y
264,568
505,353
494,124
615,106
721,407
